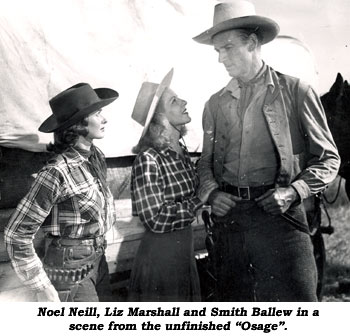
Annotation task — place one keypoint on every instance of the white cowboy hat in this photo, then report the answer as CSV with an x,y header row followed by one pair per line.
x,y
239,14
147,100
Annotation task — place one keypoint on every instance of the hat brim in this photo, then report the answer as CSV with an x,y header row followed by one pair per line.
x,y
106,96
268,28
164,84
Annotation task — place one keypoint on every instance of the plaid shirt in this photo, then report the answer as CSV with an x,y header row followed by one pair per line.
x,y
163,190
70,198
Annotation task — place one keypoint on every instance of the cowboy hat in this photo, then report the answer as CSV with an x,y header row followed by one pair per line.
x,y
235,15
74,104
147,100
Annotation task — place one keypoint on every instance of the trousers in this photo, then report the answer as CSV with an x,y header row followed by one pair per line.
x,y
78,272
260,257
95,288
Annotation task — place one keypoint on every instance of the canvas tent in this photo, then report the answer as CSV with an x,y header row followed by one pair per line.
x,y
47,46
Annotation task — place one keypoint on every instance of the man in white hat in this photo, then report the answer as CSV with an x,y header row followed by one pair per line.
x,y
268,147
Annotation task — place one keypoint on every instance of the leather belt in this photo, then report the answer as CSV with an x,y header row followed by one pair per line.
x,y
98,241
246,193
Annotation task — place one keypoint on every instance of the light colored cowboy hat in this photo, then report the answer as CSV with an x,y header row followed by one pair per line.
x,y
74,104
239,14
147,100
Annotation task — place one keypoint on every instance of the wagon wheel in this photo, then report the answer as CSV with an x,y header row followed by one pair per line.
x,y
320,259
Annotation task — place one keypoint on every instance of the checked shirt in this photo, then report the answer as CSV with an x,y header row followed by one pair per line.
x,y
163,190
65,200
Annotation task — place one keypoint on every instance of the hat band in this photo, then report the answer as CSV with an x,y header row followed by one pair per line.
x,y
65,117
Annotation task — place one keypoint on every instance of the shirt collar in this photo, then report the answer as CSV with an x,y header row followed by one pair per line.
x,y
234,87
268,78
74,156
83,152
168,150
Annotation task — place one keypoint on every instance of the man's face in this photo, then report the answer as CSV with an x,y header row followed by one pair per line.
x,y
233,53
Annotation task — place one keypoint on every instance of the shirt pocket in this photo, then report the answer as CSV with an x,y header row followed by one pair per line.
x,y
90,203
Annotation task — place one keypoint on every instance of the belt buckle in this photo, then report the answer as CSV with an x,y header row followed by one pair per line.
x,y
244,193
99,240
86,242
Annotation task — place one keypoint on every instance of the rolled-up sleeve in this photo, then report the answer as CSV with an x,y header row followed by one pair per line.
x,y
324,161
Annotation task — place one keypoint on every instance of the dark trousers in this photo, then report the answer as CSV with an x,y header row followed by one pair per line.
x,y
260,257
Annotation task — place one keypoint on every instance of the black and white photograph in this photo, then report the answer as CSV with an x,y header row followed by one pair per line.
x,y
185,163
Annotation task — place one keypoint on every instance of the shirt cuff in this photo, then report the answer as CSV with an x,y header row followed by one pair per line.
x,y
302,189
40,282
197,203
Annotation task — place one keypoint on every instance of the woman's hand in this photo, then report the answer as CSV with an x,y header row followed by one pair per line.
x,y
49,294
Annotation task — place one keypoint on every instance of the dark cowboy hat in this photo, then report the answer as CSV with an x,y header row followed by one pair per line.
x,y
235,15
74,104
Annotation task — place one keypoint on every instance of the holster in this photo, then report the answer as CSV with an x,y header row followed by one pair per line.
x,y
68,264
210,242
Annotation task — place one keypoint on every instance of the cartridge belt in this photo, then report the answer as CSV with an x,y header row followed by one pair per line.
x,y
69,261
69,276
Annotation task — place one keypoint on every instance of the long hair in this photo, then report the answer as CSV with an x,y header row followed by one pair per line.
x,y
157,135
68,137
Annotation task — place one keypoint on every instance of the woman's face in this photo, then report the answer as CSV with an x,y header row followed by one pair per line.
x,y
174,108
96,125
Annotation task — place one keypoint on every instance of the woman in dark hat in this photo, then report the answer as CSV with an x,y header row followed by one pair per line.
x,y
72,203
163,195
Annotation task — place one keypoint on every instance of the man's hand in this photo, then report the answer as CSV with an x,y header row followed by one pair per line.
x,y
277,201
49,294
221,202
205,189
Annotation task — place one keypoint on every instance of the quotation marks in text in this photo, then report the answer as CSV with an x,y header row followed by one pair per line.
x,y
265,327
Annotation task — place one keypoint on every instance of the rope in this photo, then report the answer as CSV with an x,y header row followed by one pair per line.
x,y
326,211
336,195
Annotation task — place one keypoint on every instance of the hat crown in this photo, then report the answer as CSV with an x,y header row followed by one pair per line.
x,y
147,100
230,10
239,14
72,100
143,102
